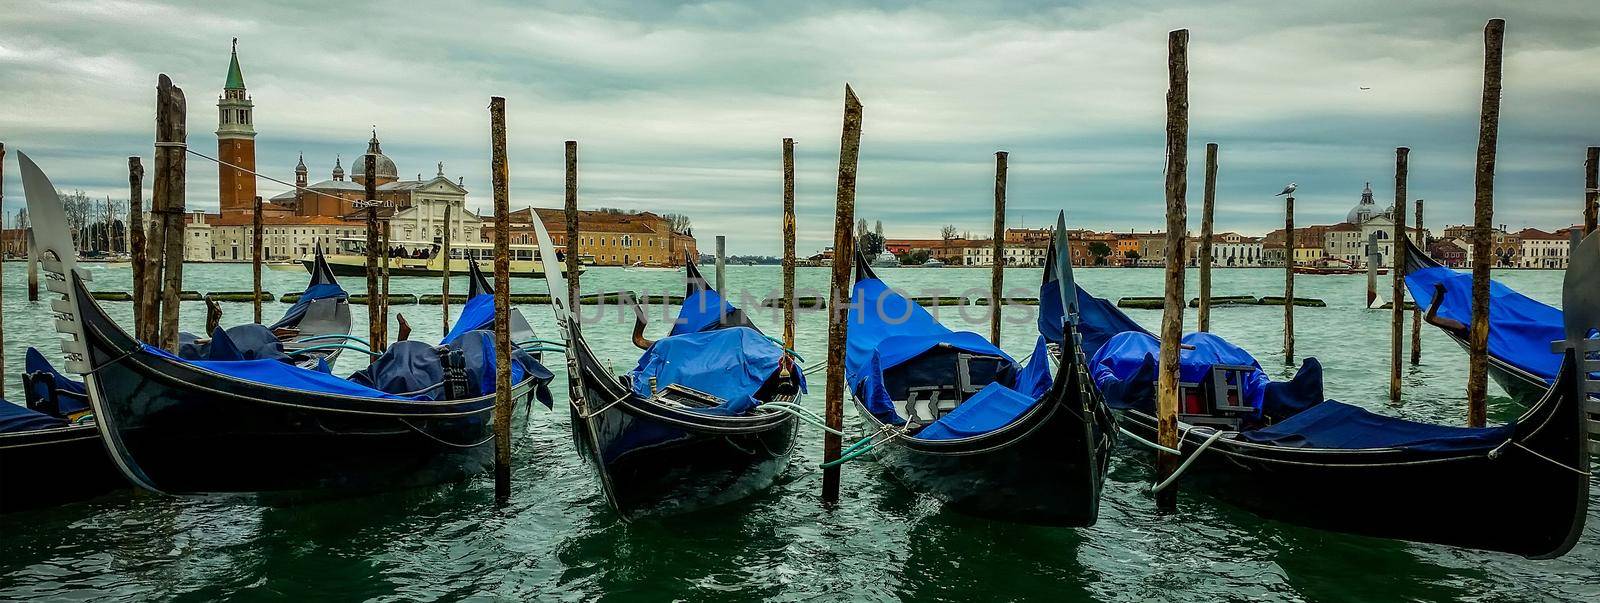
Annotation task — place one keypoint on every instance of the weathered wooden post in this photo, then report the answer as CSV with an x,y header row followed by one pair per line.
x,y
1483,223
137,256
2,272
1374,257
573,271
1591,189
501,172
1416,312
383,277
1397,269
375,316
256,250
722,264
1177,227
998,264
33,269
168,195
788,244
844,242
444,252
1208,208
1288,280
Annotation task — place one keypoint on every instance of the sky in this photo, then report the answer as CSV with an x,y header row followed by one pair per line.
x,y
680,107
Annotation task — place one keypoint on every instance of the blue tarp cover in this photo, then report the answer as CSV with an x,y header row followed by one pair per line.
x,y
14,418
1098,320
1122,357
1520,328
993,407
885,330
34,362
476,315
1333,424
730,363
702,309
311,294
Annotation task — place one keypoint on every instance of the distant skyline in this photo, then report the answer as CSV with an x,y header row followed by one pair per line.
x,y
679,107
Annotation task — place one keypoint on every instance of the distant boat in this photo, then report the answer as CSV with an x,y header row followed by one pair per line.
x,y
932,263
885,260
350,259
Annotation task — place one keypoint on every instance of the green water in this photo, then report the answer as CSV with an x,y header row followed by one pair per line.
x,y
558,541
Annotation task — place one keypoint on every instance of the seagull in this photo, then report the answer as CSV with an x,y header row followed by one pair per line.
x,y
1287,189
1366,87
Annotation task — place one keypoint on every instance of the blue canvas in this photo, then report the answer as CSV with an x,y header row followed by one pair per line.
x,y
476,315
731,363
1520,328
76,402
14,418
1125,355
1333,424
993,407
886,330
701,310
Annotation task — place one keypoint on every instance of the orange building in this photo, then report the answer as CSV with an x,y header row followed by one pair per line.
x,y
236,142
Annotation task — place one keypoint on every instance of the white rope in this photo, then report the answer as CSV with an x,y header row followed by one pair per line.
x,y
1149,443
1551,460
1186,462
264,176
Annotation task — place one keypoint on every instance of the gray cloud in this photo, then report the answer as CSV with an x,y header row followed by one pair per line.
x,y
679,107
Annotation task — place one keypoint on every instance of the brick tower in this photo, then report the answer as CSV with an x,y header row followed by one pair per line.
x,y
236,142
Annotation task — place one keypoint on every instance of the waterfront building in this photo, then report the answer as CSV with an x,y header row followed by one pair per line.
x,y
1507,246
1452,252
608,237
1232,249
1542,249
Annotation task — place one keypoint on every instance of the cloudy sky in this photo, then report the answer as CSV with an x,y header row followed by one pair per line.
x,y
680,107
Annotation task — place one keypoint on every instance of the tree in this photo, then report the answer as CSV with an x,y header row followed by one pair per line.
x,y
1099,250
679,223
1132,255
915,257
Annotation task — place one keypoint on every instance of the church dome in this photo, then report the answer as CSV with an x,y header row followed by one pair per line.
x,y
385,165
1363,210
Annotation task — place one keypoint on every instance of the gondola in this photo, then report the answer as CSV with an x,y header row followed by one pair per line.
x,y
1520,327
1280,450
51,454
684,430
958,419
418,415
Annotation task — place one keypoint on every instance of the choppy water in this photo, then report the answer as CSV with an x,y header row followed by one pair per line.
x,y
558,541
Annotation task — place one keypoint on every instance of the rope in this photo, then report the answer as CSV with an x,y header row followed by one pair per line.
x,y
1186,462
587,416
864,445
815,368
1148,443
435,438
804,415
1550,460
786,350
357,339
336,346
185,147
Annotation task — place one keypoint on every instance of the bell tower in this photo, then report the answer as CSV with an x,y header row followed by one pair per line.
x,y
236,142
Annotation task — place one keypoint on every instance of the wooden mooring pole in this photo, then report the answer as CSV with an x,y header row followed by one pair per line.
x,y
572,225
168,197
1397,270
33,270
1591,189
375,317
137,256
444,251
256,250
501,172
1177,226
383,278
997,274
844,242
1416,312
1483,223
1208,208
1288,280
1373,259
788,244
722,264
2,272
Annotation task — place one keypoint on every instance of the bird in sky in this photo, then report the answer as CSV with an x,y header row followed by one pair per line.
x,y
1366,87
1287,189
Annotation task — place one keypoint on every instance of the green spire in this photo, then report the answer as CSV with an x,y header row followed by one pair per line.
x,y
235,77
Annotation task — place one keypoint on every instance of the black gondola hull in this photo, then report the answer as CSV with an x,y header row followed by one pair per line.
x,y
651,468
177,428
1527,497
48,467
1045,470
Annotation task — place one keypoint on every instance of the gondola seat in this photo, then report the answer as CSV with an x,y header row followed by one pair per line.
x,y
420,371
1336,425
48,391
14,418
733,365
993,407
